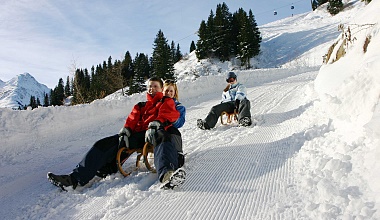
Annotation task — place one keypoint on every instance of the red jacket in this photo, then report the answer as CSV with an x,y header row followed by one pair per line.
x,y
157,108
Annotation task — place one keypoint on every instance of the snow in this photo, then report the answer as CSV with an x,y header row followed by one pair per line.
x,y
312,155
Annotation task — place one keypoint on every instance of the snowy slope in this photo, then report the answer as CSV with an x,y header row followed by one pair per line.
x,y
17,91
302,40
307,158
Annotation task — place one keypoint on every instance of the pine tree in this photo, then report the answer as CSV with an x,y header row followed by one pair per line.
x,y
52,97
223,30
87,80
67,87
79,94
60,92
178,54
203,47
192,46
98,83
206,43
249,38
335,6
38,102
33,102
117,67
314,4
46,100
114,79
127,71
162,61
142,73
173,52
255,35
237,22
227,35
321,2
109,64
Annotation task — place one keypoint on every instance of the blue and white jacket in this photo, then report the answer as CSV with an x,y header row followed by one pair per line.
x,y
236,91
182,112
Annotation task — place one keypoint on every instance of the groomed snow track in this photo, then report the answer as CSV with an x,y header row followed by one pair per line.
x,y
238,172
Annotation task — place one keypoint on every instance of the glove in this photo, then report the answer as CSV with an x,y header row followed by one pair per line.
x,y
152,130
125,131
124,134
237,103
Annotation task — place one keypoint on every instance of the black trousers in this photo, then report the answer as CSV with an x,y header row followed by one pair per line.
x,y
214,114
102,155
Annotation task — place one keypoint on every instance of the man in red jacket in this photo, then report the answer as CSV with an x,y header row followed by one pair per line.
x,y
148,121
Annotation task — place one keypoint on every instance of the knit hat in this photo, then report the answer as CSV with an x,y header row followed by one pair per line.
x,y
231,75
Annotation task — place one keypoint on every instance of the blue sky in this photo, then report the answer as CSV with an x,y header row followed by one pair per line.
x,y
49,38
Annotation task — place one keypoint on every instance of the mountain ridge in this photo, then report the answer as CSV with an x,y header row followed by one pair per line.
x,y
16,92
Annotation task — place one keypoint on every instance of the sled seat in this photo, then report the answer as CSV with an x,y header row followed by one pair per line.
x,y
228,117
125,159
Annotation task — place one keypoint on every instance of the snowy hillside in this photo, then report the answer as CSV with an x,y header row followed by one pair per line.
x,y
302,40
17,91
312,155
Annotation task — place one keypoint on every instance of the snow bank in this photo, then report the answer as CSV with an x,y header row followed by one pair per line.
x,y
337,164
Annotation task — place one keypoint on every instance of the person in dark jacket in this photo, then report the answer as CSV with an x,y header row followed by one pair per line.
x,y
234,97
147,122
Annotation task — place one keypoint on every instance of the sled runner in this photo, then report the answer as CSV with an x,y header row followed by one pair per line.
x,y
126,163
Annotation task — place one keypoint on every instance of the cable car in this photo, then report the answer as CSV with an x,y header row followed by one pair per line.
x,y
275,13
292,7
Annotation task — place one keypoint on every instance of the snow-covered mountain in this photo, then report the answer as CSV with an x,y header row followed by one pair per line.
x,y
17,91
313,154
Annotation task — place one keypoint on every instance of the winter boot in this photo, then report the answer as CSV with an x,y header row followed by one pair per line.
x,y
62,180
173,179
245,122
202,124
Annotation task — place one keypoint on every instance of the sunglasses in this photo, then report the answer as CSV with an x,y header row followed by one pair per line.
x,y
230,80
169,81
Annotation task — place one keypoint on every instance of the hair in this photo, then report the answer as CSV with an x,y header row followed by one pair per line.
x,y
227,88
157,79
172,83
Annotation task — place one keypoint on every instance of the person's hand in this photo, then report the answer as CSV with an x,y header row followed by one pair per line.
x,y
152,130
124,134
125,131
237,103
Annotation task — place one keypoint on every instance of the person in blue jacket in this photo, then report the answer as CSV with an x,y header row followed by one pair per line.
x,y
234,97
171,90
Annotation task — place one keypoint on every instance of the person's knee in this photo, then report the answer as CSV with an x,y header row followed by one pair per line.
x,y
214,109
245,102
162,136
173,131
177,142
